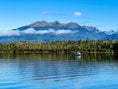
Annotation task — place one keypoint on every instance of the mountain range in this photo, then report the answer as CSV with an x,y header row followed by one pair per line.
x,y
53,31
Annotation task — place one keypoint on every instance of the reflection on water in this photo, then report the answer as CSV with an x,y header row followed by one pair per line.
x,y
88,57
58,71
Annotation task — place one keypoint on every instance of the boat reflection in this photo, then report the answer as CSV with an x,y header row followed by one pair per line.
x,y
78,58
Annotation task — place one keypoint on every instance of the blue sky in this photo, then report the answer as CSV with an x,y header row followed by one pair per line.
x,y
100,13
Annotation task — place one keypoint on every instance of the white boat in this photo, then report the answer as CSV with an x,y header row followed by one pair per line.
x,y
78,54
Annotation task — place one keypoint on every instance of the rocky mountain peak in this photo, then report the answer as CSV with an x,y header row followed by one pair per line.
x,y
72,25
54,24
90,28
40,23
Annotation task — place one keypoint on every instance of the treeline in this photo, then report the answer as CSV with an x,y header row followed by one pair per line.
x,y
60,46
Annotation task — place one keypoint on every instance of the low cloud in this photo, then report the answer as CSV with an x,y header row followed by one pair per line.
x,y
32,31
77,13
61,31
65,32
9,32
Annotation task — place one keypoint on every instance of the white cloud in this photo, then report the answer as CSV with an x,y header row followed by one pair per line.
x,y
33,31
55,14
46,12
64,31
28,31
77,13
9,32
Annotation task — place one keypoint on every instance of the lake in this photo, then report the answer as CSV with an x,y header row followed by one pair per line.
x,y
58,71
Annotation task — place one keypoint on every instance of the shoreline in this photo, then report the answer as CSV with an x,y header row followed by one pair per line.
x,y
2,52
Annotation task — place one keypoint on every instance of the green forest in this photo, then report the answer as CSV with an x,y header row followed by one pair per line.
x,y
91,46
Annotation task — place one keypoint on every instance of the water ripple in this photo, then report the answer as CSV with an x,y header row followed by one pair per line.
x,y
58,73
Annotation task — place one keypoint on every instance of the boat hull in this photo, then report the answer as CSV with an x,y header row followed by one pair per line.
x,y
77,54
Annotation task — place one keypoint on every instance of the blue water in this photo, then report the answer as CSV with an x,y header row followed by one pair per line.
x,y
58,71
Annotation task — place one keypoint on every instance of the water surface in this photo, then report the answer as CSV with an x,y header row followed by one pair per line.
x,y
58,71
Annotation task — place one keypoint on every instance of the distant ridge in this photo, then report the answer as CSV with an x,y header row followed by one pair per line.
x,y
40,25
52,31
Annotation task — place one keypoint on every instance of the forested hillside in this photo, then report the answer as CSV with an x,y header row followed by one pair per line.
x,y
60,46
